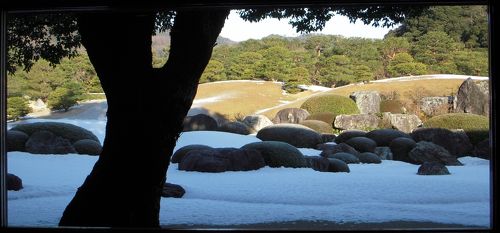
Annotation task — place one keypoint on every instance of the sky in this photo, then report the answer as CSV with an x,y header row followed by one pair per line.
x,y
237,29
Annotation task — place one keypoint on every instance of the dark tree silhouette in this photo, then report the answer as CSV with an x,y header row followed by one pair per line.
x,y
124,187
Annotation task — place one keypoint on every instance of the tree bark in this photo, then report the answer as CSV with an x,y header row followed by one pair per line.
x,y
146,108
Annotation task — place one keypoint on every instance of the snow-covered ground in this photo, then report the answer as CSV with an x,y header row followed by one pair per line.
x,y
370,193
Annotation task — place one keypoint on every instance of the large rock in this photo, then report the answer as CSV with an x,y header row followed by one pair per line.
x,y
67,131
405,122
222,159
400,147
199,122
290,115
384,152
45,142
14,183
278,154
356,121
383,137
16,140
368,157
436,105
257,122
181,152
433,168
483,149
341,147
430,152
348,134
294,134
323,164
362,144
346,157
457,143
235,127
172,190
87,146
470,99
367,101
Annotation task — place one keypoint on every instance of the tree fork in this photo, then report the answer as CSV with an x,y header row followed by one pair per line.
x,y
124,187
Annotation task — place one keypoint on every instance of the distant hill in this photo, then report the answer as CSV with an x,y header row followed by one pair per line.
x,y
162,40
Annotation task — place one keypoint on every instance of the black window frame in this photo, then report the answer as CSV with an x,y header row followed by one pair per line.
x,y
47,6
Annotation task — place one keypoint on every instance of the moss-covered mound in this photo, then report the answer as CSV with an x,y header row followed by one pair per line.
x,y
475,126
331,103
327,117
68,131
318,126
278,154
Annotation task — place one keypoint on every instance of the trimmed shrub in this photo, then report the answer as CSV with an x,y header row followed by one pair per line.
x,y
69,131
87,146
294,134
234,127
278,154
64,97
348,134
475,126
368,157
383,137
392,106
318,126
16,140
362,144
346,157
17,107
181,152
327,117
330,103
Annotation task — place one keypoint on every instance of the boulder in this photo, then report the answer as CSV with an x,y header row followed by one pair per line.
x,y
368,157
384,152
67,131
181,152
342,147
209,160
172,190
322,164
457,143
483,149
367,101
470,99
45,142
326,146
235,127
484,86
346,157
348,134
429,152
400,147
405,122
278,154
16,140
87,146
14,183
199,122
243,159
383,137
257,122
356,121
327,137
362,144
318,126
290,115
294,134
337,165
433,168
436,105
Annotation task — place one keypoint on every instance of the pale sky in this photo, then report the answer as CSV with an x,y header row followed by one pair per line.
x,y
237,29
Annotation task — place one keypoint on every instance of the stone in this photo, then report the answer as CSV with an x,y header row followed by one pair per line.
x,y
470,99
356,121
405,122
14,183
172,190
323,164
433,168
429,152
348,134
45,142
318,163
341,147
362,144
369,157
297,135
235,127
368,102
384,152
181,152
87,146
290,115
346,157
457,143
199,122
37,106
400,147
383,137
483,149
328,137
257,122
16,140
337,165
436,105
243,159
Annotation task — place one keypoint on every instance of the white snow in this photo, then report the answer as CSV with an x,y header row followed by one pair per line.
x,y
389,191
314,88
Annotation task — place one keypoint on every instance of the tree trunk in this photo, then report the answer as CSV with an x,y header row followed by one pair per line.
x,y
146,108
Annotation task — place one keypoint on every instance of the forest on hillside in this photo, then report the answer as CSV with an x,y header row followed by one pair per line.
x,y
444,39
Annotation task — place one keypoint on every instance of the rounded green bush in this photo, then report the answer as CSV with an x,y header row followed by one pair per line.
x,y
475,126
318,126
331,103
392,106
327,117
278,154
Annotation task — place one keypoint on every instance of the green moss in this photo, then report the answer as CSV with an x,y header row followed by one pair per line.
x,y
327,117
475,126
278,154
330,103
318,126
